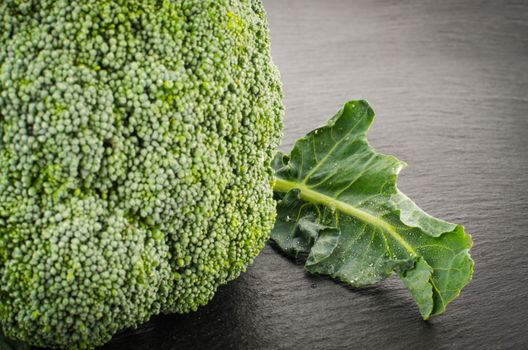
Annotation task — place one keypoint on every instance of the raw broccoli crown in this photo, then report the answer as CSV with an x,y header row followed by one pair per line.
x,y
135,141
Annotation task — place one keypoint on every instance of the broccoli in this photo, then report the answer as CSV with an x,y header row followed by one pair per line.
x,y
135,146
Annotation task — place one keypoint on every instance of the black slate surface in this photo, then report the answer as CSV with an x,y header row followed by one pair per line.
x,y
449,82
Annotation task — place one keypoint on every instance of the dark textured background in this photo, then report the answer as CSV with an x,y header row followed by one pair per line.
x,y
449,83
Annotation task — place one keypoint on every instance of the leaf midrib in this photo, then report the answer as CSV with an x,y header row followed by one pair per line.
x,y
312,196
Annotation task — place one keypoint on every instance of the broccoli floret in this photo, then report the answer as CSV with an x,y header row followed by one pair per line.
x,y
135,142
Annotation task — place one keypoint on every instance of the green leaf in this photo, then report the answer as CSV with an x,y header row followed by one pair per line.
x,y
339,203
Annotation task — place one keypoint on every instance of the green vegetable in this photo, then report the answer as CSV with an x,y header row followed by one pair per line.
x,y
135,146
136,142
340,205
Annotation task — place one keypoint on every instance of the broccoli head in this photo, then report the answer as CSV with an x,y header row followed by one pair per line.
x,y
135,142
